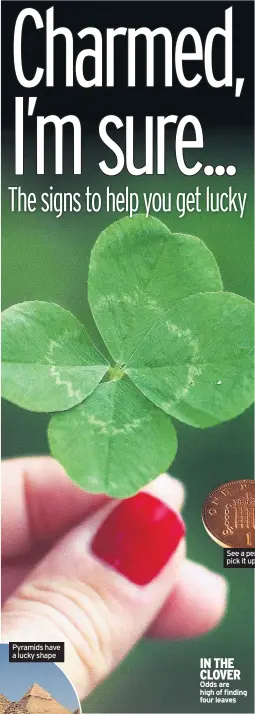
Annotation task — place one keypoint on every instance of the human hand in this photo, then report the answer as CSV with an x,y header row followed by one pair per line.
x,y
71,571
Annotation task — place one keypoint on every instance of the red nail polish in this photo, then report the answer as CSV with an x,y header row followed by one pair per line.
x,y
138,537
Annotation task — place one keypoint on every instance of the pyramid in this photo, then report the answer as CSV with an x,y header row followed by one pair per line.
x,y
37,691
4,703
36,701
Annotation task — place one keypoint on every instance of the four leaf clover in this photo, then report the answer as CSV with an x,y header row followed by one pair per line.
x,y
180,347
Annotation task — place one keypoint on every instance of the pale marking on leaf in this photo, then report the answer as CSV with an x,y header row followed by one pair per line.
x,y
153,305
133,298
108,429
186,334
193,370
54,372
113,299
64,383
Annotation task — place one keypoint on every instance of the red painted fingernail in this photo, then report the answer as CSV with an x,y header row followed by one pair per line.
x,y
138,537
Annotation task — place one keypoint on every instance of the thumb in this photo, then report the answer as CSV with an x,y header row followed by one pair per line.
x,y
102,585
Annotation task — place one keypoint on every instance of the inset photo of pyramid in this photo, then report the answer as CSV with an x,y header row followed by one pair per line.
x,y
34,688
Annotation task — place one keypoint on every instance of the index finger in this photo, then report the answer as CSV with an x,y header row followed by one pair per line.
x,y
39,504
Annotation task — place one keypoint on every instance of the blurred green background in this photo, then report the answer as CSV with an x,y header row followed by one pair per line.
x,y
47,258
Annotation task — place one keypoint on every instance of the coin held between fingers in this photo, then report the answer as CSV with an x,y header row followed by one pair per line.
x,y
228,514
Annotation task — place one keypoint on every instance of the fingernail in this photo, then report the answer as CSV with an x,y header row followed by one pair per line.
x,y
138,537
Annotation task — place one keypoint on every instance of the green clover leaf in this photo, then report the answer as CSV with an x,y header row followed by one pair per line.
x,y
180,346
113,440
137,270
203,373
48,361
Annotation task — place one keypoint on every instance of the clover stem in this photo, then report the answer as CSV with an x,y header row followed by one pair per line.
x,y
115,372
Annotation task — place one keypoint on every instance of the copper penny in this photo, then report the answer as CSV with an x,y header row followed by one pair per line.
x,y
228,514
